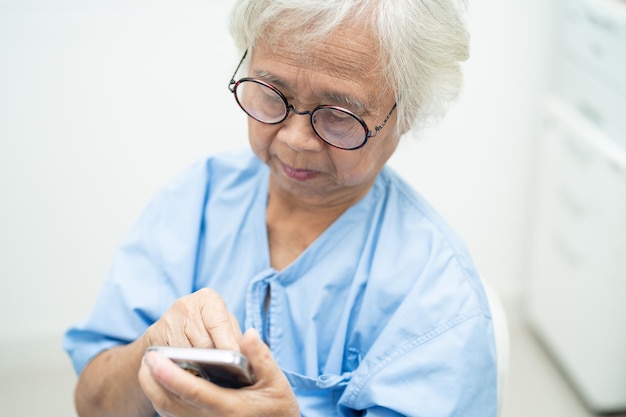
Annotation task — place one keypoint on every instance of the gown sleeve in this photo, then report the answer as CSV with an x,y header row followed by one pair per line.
x,y
153,267
432,374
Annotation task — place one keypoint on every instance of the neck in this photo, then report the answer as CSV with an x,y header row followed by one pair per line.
x,y
292,225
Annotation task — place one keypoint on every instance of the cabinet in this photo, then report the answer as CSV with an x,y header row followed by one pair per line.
x,y
575,297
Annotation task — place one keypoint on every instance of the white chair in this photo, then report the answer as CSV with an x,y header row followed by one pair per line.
x,y
501,333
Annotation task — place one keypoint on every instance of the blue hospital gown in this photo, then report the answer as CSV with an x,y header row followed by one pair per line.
x,y
382,315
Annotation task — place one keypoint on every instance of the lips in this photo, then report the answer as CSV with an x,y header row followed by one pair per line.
x,y
298,174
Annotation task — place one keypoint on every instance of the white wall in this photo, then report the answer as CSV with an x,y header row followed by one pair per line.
x,y
475,167
101,102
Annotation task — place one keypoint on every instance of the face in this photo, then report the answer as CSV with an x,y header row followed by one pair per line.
x,y
304,169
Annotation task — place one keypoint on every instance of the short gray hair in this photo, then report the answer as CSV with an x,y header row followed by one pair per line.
x,y
421,42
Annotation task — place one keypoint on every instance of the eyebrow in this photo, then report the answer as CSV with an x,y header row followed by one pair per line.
x,y
342,100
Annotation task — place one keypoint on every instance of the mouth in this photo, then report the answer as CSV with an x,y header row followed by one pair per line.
x,y
298,174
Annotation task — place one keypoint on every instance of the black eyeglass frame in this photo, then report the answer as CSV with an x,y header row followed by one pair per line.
x,y
232,86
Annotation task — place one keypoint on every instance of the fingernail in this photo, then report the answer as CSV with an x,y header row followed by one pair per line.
x,y
148,359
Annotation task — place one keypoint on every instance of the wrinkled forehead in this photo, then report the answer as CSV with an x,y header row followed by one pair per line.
x,y
346,52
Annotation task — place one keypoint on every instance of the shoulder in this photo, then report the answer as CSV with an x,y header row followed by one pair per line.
x,y
424,233
427,308
421,274
196,182
411,202
179,208
218,167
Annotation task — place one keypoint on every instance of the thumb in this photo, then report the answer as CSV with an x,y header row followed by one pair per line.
x,y
258,353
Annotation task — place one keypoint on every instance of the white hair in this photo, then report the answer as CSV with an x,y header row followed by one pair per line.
x,y
421,42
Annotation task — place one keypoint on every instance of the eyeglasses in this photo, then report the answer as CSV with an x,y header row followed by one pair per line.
x,y
335,125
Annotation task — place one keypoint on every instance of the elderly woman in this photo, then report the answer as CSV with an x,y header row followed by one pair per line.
x,y
356,298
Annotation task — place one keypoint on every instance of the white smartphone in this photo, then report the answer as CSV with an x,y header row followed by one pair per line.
x,y
226,368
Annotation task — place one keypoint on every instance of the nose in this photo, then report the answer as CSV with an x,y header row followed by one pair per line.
x,y
297,132
291,108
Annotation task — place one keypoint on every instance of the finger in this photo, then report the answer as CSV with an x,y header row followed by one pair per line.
x,y
156,376
176,327
162,400
196,334
236,327
217,321
184,392
270,378
260,356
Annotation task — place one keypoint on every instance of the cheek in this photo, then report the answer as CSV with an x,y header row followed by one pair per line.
x,y
364,165
354,168
260,138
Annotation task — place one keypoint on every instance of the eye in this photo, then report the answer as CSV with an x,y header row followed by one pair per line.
x,y
260,101
268,94
338,127
335,120
269,97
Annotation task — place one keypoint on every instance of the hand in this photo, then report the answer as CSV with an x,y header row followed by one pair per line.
x,y
200,319
177,393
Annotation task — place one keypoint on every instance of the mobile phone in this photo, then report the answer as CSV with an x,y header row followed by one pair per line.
x,y
226,368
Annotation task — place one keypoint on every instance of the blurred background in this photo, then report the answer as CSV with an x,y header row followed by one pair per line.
x,y
102,102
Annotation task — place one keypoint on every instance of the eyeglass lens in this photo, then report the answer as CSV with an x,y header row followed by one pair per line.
x,y
334,125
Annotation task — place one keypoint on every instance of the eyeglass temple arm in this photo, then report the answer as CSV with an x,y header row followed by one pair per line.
x,y
231,84
378,128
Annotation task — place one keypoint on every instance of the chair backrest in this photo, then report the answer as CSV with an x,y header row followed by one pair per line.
x,y
501,334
